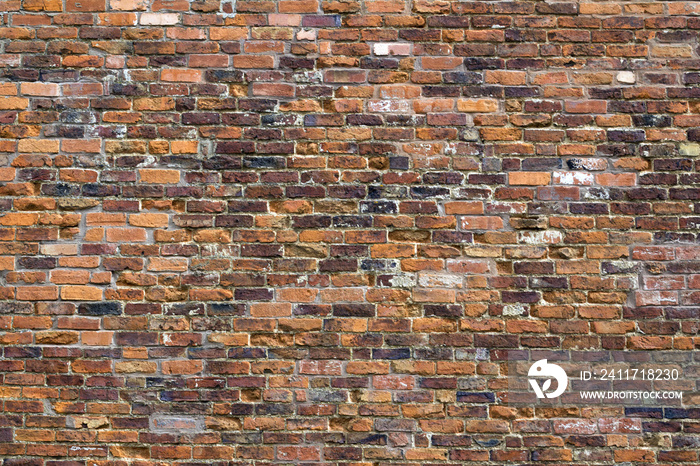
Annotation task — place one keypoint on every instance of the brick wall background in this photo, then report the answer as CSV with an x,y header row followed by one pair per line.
x,y
307,232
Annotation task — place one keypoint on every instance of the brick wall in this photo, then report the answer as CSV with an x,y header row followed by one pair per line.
x,y
277,232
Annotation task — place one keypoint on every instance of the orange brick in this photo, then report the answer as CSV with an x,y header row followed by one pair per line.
x,y
441,63
19,219
37,293
70,277
586,106
88,262
9,88
7,173
126,235
182,367
105,219
181,75
81,293
228,33
159,176
101,277
161,264
298,295
78,176
506,78
36,203
33,322
529,178
481,223
149,220
253,61
96,338
184,147
393,250
298,6
154,104
91,367
435,296
13,103
636,456
82,145
7,263
426,454
270,309
612,179
477,105
146,367
40,89
461,207
44,146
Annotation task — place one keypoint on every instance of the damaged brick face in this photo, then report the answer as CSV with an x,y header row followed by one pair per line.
x,y
309,231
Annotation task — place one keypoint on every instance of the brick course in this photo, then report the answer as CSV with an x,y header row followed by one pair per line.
x,y
303,232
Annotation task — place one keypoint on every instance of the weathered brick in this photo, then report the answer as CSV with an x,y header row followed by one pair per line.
x,y
330,251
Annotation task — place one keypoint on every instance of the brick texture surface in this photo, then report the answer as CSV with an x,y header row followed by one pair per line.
x,y
307,232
